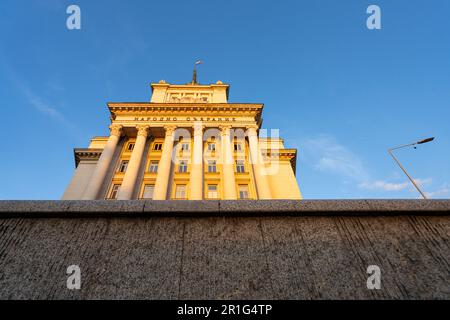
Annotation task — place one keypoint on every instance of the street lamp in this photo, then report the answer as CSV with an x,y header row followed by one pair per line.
x,y
400,165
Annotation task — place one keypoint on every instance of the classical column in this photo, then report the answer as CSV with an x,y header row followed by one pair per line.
x,y
162,179
196,179
229,182
262,182
103,163
129,180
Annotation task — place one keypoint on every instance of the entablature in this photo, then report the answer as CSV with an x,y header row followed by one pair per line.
x,y
213,109
282,154
86,154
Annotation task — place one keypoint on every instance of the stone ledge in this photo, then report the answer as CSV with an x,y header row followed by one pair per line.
x,y
225,249
192,258
214,208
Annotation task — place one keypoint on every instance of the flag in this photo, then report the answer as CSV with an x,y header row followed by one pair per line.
x,y
198,62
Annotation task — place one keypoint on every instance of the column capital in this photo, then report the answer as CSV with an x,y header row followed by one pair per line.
x,y
225,129
116,130
170,129
252,127
142,130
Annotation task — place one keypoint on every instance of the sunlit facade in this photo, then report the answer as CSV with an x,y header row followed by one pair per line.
x,y
187,143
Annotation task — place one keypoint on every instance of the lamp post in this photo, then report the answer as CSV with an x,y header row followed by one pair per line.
x,y
400,165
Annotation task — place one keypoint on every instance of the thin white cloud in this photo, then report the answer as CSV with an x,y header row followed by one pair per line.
x,y
34,100
54,87
335,158
42,106
326,154
443,192
381,185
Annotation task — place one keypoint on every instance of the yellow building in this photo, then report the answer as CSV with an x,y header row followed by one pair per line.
x,y
187,143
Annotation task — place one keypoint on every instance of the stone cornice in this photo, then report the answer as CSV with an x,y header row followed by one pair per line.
x,y
177,208
283,154
254,109
86,154
189,85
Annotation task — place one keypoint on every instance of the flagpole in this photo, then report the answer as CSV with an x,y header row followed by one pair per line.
x,y
194,76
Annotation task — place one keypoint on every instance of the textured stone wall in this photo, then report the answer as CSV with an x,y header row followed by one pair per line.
x,y
225,250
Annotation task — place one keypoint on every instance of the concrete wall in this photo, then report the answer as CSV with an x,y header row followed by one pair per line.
x,y
225,249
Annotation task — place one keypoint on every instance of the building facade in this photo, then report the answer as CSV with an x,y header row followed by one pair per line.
x,y
187,143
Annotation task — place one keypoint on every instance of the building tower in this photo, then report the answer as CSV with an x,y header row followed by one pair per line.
x,y
187,143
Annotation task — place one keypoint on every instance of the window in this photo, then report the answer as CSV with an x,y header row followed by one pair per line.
x,y
148,191
243,192
153,167
185,147
240,167
123,166
182,166
180,191
211,147
237,146
212,191
130,146
157,146
212,166
114,191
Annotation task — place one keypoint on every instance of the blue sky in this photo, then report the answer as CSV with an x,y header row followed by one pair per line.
x,y
340,93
